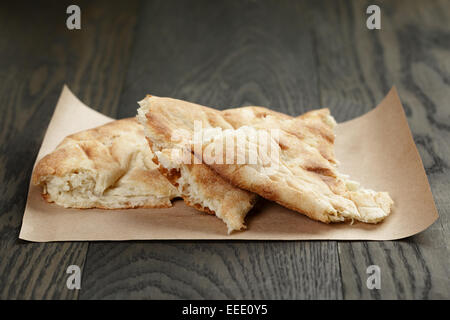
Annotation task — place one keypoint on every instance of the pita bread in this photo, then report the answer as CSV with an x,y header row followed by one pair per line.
x,y
205,190
305,180
199,186
108,167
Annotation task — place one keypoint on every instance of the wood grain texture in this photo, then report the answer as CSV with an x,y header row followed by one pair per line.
x,y
224,54
38,54
210,270
229,53
356,68
292,56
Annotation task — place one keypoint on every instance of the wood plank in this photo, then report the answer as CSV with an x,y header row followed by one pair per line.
x,y
211,270
38,54
357,67
228,53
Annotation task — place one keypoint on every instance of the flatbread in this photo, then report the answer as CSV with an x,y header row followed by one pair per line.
x,y
108,167
200,186
305,180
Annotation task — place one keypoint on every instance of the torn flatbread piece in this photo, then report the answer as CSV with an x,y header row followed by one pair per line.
x,y
307,167
303,177
108,167
202,188
199,185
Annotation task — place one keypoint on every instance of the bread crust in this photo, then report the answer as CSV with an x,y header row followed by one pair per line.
x,y
307,179
107,167
199,185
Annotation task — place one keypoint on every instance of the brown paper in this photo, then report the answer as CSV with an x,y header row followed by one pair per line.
x,y
375,149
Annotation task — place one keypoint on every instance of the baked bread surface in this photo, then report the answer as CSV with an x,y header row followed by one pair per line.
x,y
108,167
306,178
202,188
199,185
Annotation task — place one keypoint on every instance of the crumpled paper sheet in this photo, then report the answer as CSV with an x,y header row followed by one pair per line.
x,y
376,149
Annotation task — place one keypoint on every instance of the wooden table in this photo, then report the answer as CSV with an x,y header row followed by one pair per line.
x,y
292,56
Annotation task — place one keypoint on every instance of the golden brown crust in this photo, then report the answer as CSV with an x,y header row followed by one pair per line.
x,y
314,127
306,179
203,189
107,167
199,185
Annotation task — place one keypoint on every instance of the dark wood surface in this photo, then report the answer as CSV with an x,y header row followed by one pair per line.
x,y
292,56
